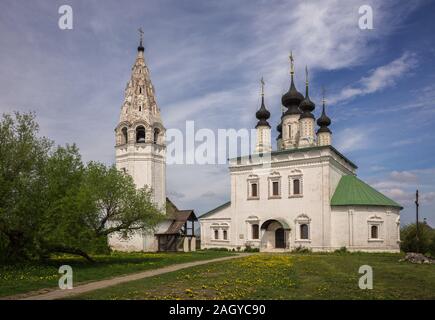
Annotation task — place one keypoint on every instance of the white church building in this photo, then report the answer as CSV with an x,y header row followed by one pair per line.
x,y
304,194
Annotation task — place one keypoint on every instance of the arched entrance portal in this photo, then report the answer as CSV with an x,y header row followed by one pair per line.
x,y
275,234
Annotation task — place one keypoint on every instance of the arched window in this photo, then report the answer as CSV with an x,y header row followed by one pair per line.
x,y
216,234
296,186
374,232
225,234
255,231
156,135
124,135
304,231
140,108
140,134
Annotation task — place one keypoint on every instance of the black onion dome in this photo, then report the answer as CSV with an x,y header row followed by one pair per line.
x,y
262,115
291,99
324,121
307,106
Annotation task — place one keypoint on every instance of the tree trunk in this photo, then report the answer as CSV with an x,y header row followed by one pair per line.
x,y
75,251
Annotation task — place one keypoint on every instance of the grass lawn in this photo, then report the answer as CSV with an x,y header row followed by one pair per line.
x,y
284,276
20,278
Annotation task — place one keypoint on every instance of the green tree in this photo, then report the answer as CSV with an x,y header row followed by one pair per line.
x,y
23,155
425,243
50,202
113,204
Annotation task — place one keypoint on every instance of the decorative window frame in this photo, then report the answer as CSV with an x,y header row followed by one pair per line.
x,y
295,174
220,231
249,223
378,222
251,180
274,177
300,220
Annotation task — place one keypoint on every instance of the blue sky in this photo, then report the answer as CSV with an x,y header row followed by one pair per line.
x,y
206,59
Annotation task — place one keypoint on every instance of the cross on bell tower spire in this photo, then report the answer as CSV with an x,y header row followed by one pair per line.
x,y
141,47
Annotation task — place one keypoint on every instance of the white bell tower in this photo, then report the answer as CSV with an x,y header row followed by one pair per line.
x,y
140,135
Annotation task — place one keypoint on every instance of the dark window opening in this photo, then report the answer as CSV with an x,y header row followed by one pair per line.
x,y
225,235
296,186
216,234
304,231
124,135
140,134
275,188
255,231
254,191
374,232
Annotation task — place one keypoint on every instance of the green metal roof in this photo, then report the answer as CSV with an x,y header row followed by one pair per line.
x,y
351,191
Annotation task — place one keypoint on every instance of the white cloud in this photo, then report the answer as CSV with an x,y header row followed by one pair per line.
x,y
352,139
404,176
379,79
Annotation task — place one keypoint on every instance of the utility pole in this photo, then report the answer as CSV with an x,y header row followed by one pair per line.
x,y
416,216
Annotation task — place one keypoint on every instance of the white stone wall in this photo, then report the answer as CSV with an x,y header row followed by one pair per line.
x,y
263,139
324,139
306,136
351,228
290,131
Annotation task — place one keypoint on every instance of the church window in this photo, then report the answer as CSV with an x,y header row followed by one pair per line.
x,y
253,187
290,131
254,190
275,190
302,223
140,89
140,134
304,231
140,108
375,228
255,232
296,186
225,234
374,234
156,135
274,181
124,135
216,234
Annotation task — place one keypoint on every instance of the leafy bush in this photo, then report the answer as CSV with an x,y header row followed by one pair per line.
x,y
218,249
426,239
342,250
248,248
301,249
